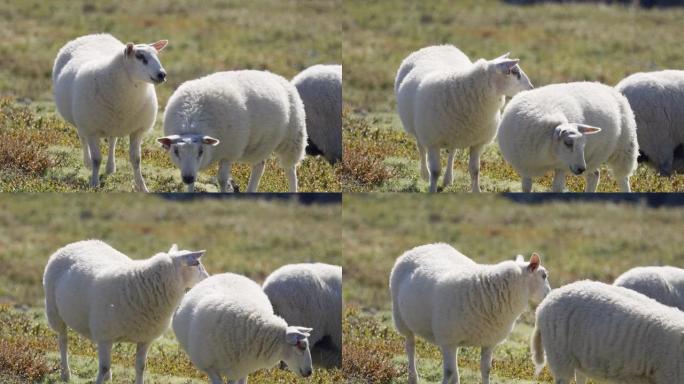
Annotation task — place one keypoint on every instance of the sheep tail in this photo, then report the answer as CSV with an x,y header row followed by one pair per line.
x,y
537,350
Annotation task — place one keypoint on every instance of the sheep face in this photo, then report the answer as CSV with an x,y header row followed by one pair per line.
x,y
536,278
569,140
142,62
296,353
189,266
509,78
189,152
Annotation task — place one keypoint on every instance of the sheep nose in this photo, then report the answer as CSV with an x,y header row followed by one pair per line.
x,y
307,372
161,76
580,171
188,179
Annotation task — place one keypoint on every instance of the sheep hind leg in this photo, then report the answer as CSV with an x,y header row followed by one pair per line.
x,y
134,154
450,364
64,354
449,172
485,363
411,355
434,167
527,184
95,160
111,158
592,181
224,176
580,378
422,153
291,173
474,167
255,176
87,161
140,359
104,352
215,378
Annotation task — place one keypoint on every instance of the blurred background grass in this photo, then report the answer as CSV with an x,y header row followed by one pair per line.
x,y
248,236
555,43
576,240
215,35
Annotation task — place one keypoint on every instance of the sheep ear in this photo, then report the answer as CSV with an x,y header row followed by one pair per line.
x,y
559,132
166,141
504,56
210,140
128,51
504,66
159,45
294,334
192,259
535,262
519,259
174,248
587,129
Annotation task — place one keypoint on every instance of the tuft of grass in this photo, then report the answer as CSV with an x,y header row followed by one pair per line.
x,y
20,350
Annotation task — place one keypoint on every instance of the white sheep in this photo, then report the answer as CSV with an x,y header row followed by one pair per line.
x,y
320,87
235,116
663,284
104,88
609,333
656,99
311,295
449,300
227,326
571,126
446,101
105,296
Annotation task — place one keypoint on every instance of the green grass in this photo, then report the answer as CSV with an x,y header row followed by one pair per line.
x,y
581,240
218,35
246,236
555,42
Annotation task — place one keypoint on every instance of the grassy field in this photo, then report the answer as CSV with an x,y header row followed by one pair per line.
x,y
282,37
581,240
555,43
246,236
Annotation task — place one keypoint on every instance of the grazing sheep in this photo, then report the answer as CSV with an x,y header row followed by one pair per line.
x,y
320,88
104,88
446,101
311,295
227,327
235,116
663,284
609,333
572,126
105,296
449,300
657,99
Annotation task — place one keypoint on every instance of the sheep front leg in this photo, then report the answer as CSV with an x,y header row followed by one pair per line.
x,y
134,151
224,176
558,181
527,184
63,352
111,158
434,167
450,363
474,167
292,178
449,172
255,176
411,354
580,378
485,363
95,160
623,183
215,378
592,181
140,359
86,152
104,352
424,173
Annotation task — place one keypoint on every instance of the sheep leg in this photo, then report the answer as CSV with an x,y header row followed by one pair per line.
x,y
485,363
104,352
224,176
449,172
111,158
592,181
190,188
527,184
623,182
215,378
134,152
449,356
474,167
580,378
434,167
255,176
63,352
422,153
411,354
558,181
140,359
95,160
291,174
86,152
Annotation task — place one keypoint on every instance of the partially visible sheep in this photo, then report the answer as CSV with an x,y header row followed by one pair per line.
x,y
320,88
446,101
235,116
571,126
311,295
657,99
227,327
663,284
609,333
104,88
105,296
449,300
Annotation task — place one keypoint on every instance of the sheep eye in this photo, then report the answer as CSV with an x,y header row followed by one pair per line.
x,y
141,57
543,275
201,151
